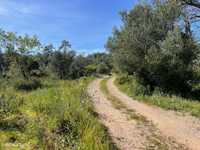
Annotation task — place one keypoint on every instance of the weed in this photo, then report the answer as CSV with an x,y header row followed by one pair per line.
x,y
58,116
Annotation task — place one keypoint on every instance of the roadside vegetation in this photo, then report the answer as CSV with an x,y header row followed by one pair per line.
x,y
158,51
58,116
130,86
43,99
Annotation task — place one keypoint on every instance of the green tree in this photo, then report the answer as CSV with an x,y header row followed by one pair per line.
x,y
175,67
2,64
152,47
78,66
103,69
61,61
65,46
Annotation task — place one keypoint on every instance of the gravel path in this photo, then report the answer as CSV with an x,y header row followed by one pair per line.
x,y
129,129
123,131
184,129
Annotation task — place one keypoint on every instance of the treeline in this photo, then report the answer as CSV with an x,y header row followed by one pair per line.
x,y
156,45
24,60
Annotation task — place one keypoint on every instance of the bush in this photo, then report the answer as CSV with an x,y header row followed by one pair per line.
x,y
135,87
27,85
16,122
90,69
173,72
158,98
103,69
9,105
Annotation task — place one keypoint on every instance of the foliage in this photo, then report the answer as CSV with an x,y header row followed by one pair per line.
x,y
101,60
176,63
27,85
129,85
77,68
59,116
151,46
60,63
90,69
24,59
41,112
103,69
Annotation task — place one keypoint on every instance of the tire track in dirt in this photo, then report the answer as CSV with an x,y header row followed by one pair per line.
x,y
122,131
184,129
128,130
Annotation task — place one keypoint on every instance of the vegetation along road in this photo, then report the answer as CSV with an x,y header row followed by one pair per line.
x,y
135,125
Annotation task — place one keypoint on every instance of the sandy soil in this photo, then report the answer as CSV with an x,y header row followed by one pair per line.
x,y
184,129
126,133
123,131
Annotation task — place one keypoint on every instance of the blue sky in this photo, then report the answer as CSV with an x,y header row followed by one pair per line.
x,y
85,23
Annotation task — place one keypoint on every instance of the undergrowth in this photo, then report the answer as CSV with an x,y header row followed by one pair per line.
x,y
131,87
56,117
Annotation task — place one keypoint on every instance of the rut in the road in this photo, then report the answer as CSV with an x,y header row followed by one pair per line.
x,y
128,130
184,129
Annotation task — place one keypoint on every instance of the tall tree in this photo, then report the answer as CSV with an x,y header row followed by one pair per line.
x,y
65,46
61,60
138,46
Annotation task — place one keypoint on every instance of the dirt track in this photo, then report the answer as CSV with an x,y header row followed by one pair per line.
x,y
185,129
122,131
128,134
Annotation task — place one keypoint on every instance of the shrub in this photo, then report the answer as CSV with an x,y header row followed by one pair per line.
x,y
103,69
135,87
16,122
27,85
9,105
90,69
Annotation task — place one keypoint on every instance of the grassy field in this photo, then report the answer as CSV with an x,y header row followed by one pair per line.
x,y
176,103
57,116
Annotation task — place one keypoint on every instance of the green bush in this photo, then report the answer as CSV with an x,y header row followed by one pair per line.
x,y
135,86
27,85
58,116
10,105
103,68
158,98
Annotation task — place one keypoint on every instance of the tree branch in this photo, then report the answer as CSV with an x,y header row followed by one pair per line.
x,y
194,3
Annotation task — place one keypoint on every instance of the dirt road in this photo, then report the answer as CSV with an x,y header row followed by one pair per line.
x,y
162,129
185,129
122,131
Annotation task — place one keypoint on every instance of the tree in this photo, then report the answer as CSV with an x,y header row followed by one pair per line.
x,y
100,60
46,55
17,48
194,3
60,63
103,69
151,46
143,28
78,66
2,64
173,67
65,46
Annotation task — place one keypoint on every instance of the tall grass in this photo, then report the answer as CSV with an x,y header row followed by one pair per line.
x,y
129,85
57,116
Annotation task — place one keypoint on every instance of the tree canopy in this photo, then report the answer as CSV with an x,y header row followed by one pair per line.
x,y
152,45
